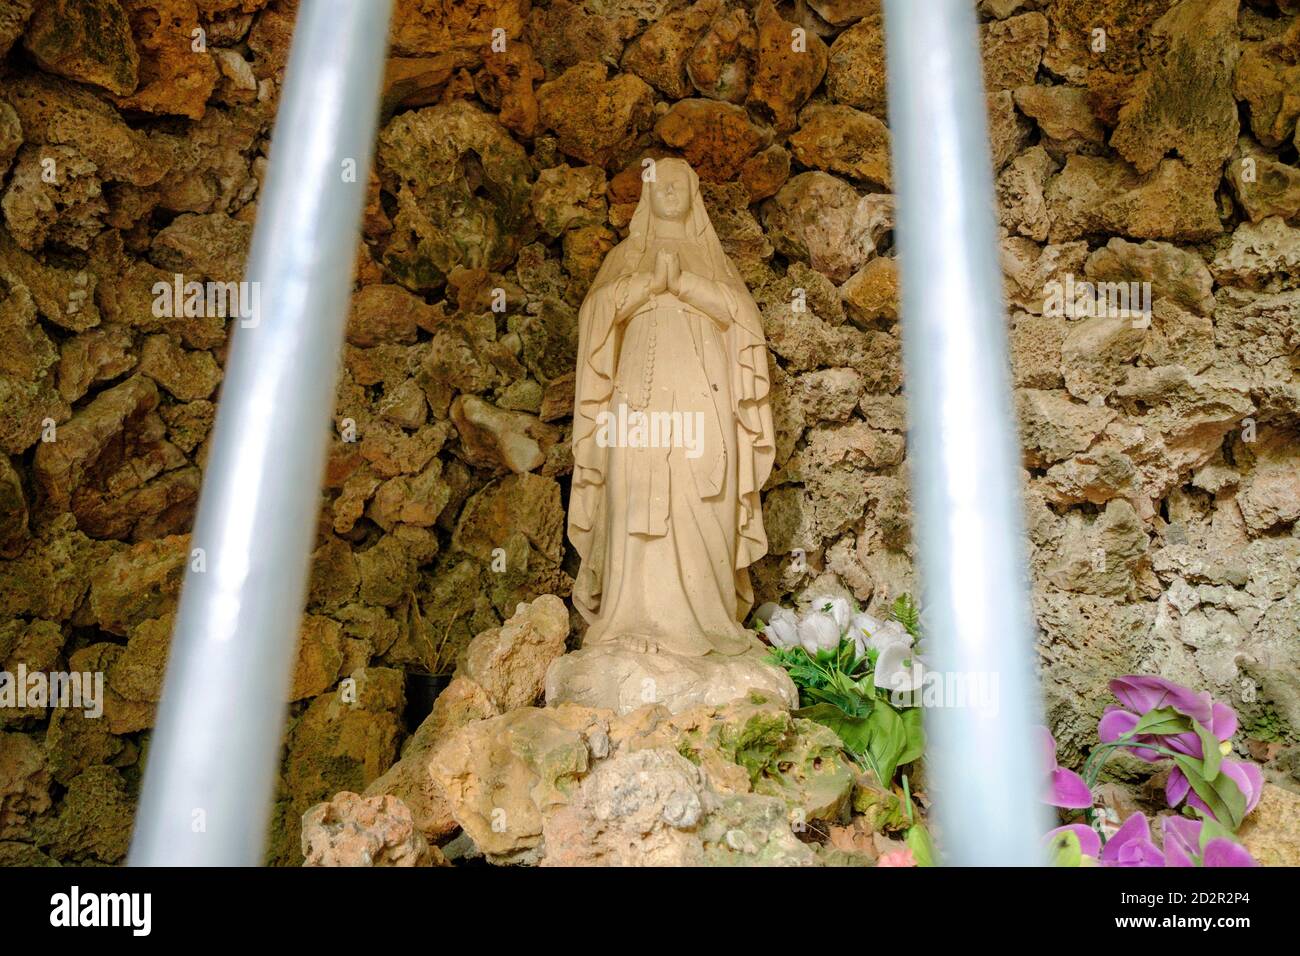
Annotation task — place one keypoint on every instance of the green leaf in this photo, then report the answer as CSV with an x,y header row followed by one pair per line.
x,y
1221,795
918,840
1212,829
915,730
1162,720
855,732
887,740
1212,758
906,613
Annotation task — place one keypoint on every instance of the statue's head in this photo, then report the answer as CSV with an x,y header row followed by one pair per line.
x,y
670,191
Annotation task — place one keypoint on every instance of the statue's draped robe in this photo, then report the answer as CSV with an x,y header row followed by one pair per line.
x,y
666,538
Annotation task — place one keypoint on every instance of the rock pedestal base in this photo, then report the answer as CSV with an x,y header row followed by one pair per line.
x,y
621,678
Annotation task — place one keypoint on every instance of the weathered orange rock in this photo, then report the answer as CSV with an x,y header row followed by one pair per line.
x,y
1185,96
85,40
871,293
722,62
186,374
596,119
506,84
765,173
791,63
843,140
855,72
659,54
1267,77
384,313
715,138
1012,50
174,77
427,27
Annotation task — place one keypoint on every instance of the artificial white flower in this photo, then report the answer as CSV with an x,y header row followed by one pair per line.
x,y
782,628
837,607
861,627
818,631
899,669
869,632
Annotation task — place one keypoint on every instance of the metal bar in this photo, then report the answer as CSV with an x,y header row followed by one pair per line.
x,y
212,768
987,774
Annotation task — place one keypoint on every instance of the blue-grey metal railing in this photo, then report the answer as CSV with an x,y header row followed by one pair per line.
x,y
212,765
963,454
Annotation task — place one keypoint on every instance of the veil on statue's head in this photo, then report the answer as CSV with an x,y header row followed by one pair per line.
x,y
641,231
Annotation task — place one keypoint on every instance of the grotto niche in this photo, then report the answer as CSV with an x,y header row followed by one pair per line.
x,y
463,548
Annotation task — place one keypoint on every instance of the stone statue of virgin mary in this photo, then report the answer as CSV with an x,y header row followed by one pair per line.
x,y
672,440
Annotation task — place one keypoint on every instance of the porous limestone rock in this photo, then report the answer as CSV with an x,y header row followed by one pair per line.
x,y
1185,94
85,40
716,138
596,119
843,140
1101,195
174,78
787,68
441,221
855,72
721,64
502,669
93,822
24,784
1272,830
571,785
351,830
823,220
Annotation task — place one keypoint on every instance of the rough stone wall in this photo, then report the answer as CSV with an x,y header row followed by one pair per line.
x,y
1161,456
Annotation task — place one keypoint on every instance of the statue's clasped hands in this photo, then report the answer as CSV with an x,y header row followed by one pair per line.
x,y
668,273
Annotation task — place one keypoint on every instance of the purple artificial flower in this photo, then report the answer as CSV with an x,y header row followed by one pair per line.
x,y
1117,722
1131,845
1182,839
1066,788
1183,846
1224,852
1247,777
1141,693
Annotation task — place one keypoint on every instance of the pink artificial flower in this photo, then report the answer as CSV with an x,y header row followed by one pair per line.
x,y
1066,788
901,857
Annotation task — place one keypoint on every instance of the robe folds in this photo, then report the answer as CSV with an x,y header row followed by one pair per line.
x,y
667,527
